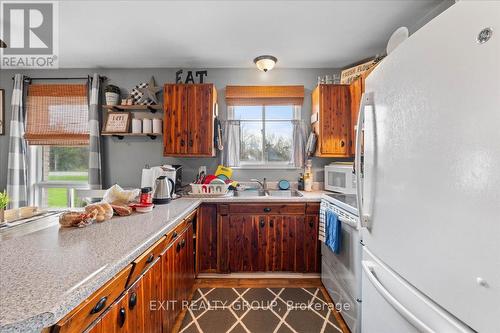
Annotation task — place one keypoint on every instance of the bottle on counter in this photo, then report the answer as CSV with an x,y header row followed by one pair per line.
x,y
308,182
301,182
308,177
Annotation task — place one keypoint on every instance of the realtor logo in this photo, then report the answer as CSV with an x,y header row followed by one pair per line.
x,y
30,30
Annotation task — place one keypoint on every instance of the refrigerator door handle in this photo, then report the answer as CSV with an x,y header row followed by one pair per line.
x,y
358,165
369,268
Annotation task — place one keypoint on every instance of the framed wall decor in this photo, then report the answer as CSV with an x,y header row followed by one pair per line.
x,y
2,111
117,122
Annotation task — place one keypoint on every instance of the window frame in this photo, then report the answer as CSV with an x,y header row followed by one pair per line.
x,y
264,163
38,185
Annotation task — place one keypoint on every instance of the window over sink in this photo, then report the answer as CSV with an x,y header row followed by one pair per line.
x,y
266,134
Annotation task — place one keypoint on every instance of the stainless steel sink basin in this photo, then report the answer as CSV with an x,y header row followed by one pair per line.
x,y
284,193
250,193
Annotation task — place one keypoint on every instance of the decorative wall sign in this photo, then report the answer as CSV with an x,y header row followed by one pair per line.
x,y
149,92
117,122
189,76
2,112
349,75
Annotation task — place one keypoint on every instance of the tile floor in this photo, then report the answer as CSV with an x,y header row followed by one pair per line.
x,y
259,310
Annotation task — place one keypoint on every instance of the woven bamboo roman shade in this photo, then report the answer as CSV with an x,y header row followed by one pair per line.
x,y
264,95
57,115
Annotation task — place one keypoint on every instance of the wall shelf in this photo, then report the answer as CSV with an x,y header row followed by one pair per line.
x,y
121,136
151,108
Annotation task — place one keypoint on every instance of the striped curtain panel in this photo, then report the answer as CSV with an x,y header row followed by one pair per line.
x,y
95,180
17,173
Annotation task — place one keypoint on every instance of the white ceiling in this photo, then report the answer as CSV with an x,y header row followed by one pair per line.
x,y
209,34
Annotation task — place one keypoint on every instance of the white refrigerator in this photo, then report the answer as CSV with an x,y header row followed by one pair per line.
x,y
430,188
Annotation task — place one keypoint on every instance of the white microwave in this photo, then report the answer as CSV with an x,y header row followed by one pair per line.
x,y
339,177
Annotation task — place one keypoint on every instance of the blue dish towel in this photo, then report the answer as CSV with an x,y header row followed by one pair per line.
x,y
333,231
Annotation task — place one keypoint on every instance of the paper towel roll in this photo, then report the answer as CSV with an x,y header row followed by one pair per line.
x,y
136,126
157,125
146,125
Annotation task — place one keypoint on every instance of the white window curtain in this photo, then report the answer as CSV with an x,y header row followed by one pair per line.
x,y
232,137
298,144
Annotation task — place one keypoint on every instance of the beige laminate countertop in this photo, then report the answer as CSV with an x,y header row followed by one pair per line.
x,y
47,273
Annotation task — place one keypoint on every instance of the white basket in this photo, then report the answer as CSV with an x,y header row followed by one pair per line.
x,y
220,189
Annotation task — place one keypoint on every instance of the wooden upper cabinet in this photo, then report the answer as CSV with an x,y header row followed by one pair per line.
x,y
189,119
356,89
332,104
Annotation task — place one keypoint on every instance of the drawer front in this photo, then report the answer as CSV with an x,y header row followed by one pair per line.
x,y
94,306
274,208
312,208
174,233
142,262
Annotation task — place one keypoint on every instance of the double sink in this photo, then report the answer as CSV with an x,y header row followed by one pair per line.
x,y
268,193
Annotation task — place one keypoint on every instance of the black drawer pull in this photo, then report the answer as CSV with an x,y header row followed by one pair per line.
x,y
132,301
174,234
311,224
150,258
178,248
262,223
271,223
182,143
122,317
99,306
183,243
267,209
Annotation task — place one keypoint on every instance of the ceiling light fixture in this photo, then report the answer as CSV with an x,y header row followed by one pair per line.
x,y
3,45
265,62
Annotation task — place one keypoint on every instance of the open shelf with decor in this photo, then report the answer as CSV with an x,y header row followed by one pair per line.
x,y
121,136
151,108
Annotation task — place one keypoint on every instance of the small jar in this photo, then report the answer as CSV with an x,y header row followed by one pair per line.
x,y
146,197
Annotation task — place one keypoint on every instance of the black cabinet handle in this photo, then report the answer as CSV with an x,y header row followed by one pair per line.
x,y
174,234
342,143
178,248
311,224
262,223
267,209
132,301
150,258
183,143
183,243
271,223
122,316
99,306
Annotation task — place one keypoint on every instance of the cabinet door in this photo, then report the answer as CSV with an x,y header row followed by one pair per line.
x,y
175,120
135,307
152,284
206,239
334,120
200,119
189,259
283,241
243,243
310,243
115,319
356,89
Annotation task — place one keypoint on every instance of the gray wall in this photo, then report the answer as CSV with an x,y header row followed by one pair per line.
x,y
123,160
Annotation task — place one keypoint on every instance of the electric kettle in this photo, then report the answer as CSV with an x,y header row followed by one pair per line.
x,y
164,189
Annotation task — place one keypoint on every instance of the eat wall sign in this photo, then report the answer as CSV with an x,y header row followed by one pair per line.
x,y
189,76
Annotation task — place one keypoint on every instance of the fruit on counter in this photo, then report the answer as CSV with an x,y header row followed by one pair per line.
x,y
104,211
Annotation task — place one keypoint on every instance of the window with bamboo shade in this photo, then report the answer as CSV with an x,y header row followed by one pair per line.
x,y
264,95
57,115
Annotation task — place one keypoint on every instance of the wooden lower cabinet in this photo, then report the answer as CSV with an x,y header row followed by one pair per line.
x,y
273,243
178,276
153,298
